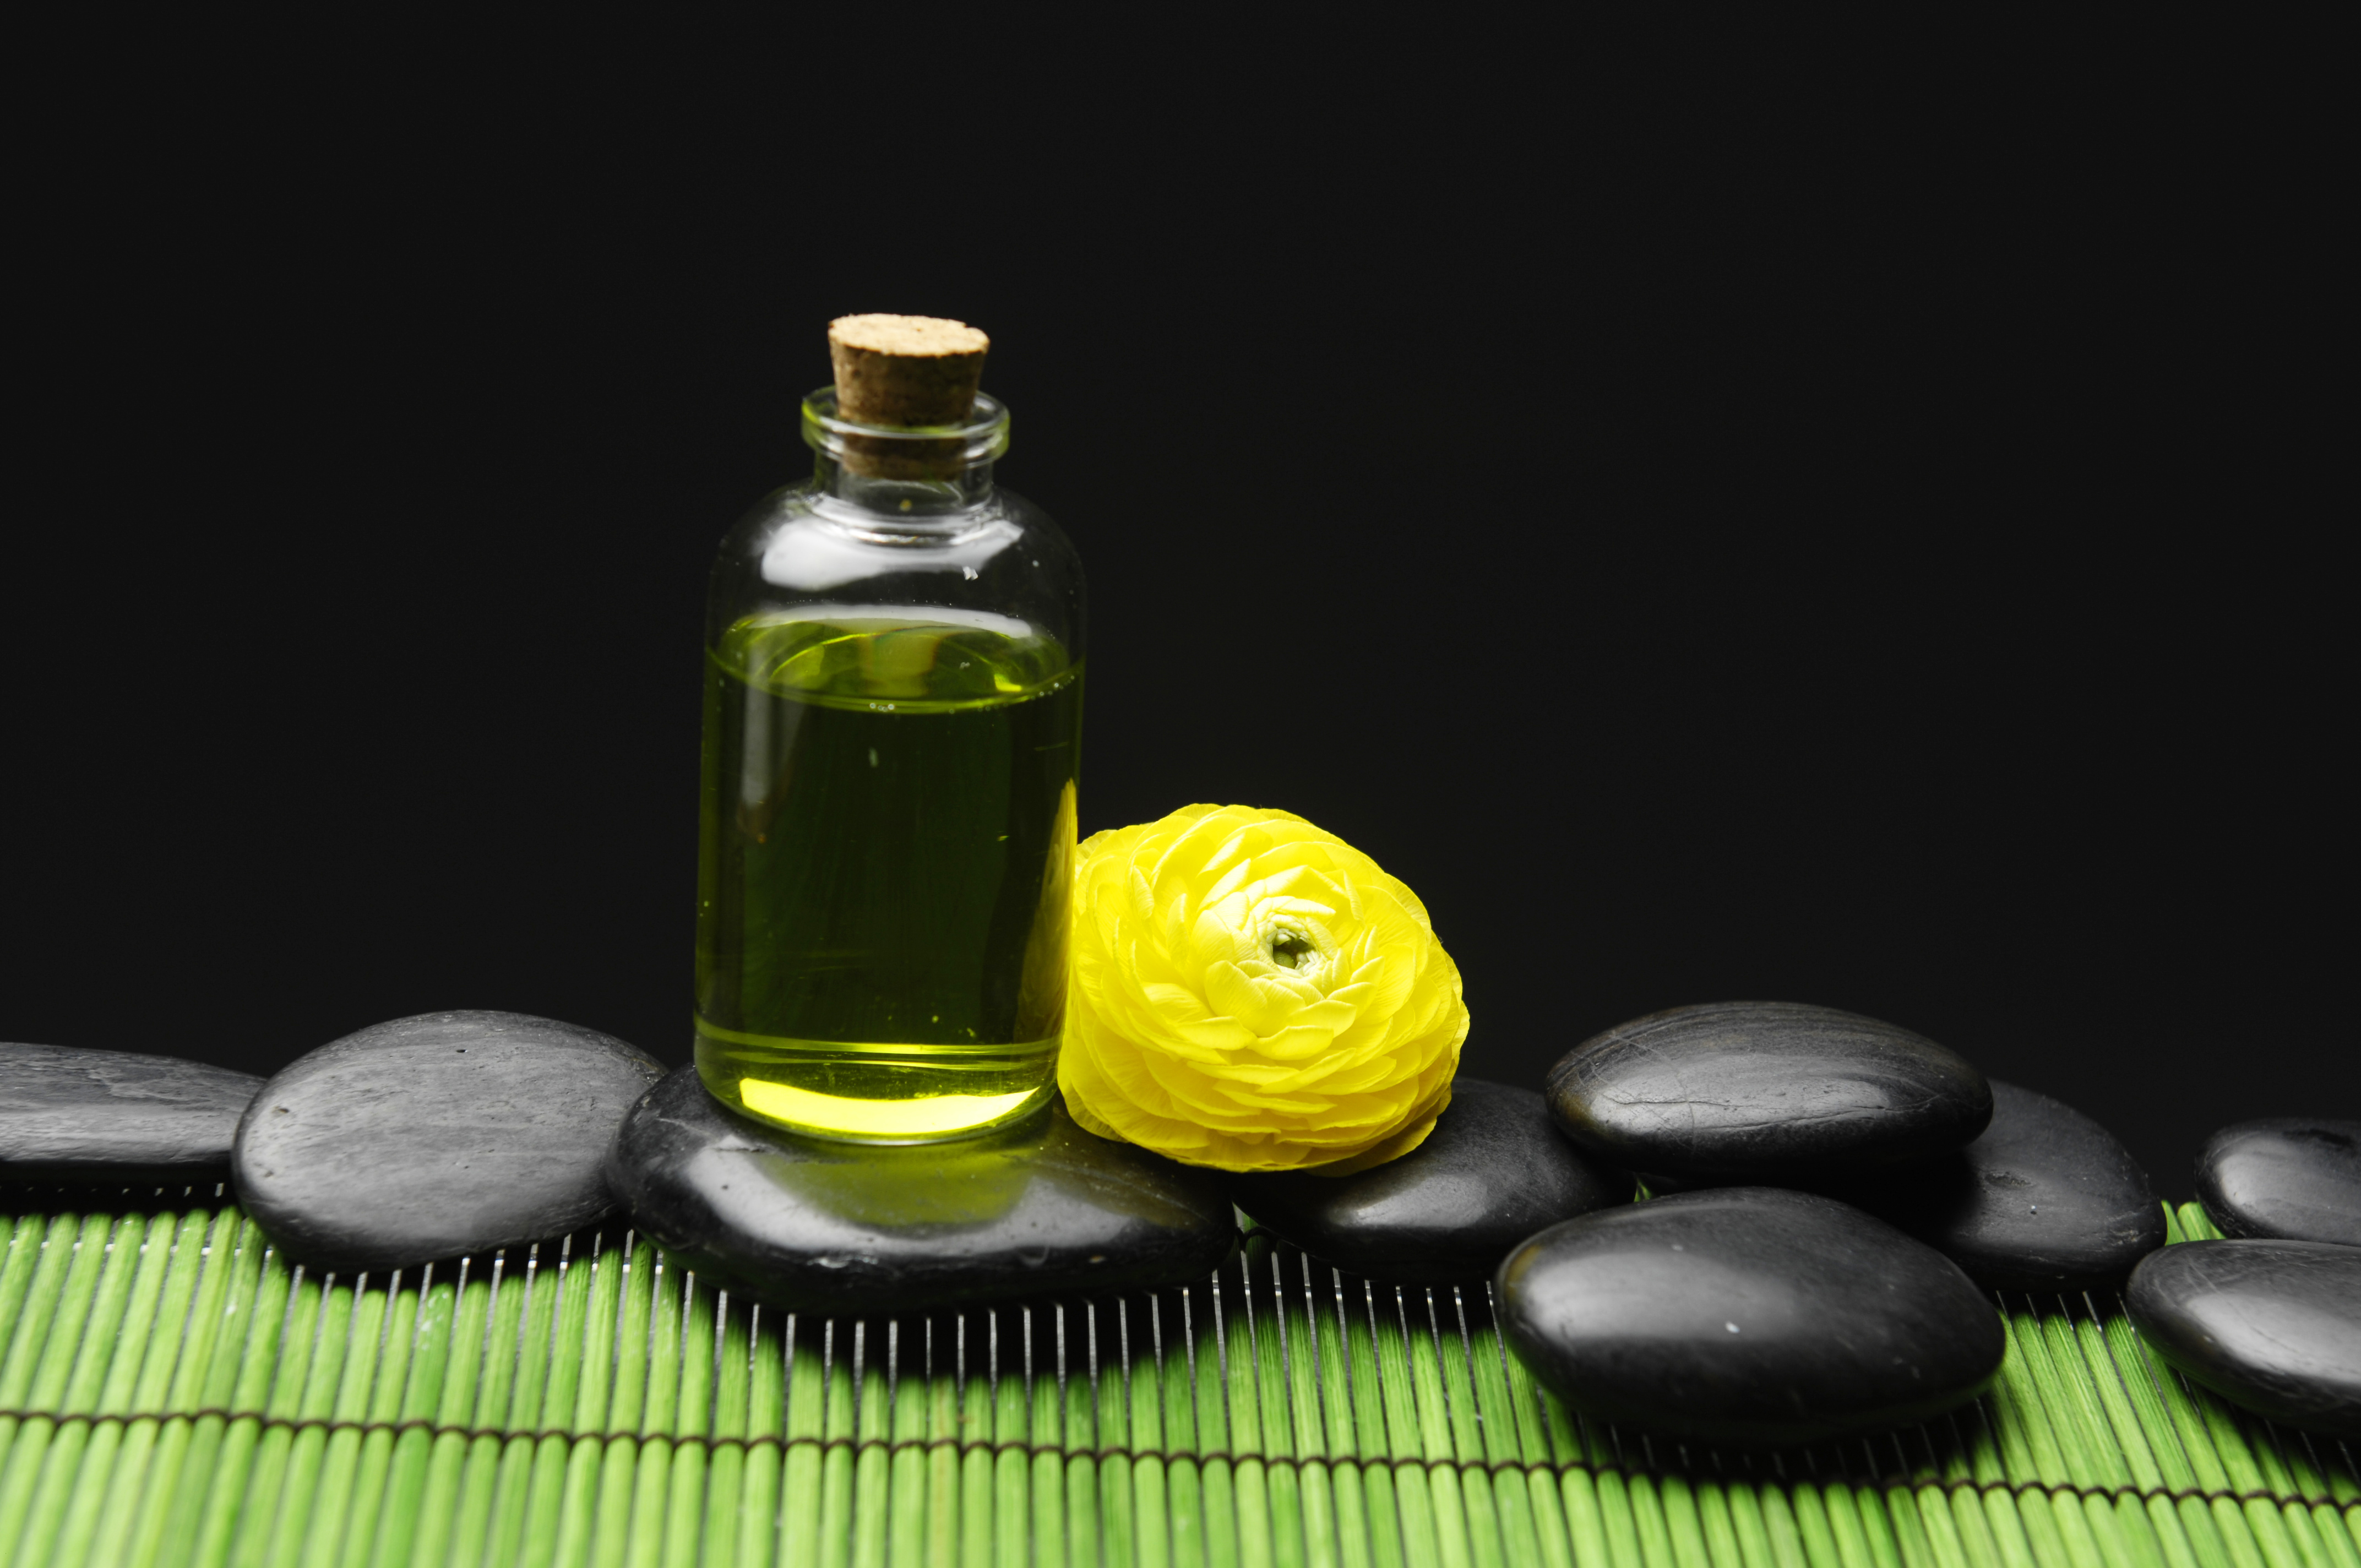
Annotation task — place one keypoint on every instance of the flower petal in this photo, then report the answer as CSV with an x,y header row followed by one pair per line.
x,y
1187,1032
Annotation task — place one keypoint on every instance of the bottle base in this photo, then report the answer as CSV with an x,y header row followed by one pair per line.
x,y
877,1093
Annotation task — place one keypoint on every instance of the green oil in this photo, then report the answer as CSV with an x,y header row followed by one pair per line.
x,y
886,852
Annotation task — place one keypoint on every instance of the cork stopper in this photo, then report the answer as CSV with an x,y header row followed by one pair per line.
x,y
906,370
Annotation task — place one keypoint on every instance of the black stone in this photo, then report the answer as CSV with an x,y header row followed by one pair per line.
x,y
1492,1172
1750,1315
115,1119
2045,1200
1764,1091
2293,1178
1038,1210
2273,1326
437,1135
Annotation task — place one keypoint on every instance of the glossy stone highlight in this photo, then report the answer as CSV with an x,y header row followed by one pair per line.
x,y
89,1118
1494,1170
2272,1325
428,1137
1746,1315
1042,1208
1764,1091
2288,1178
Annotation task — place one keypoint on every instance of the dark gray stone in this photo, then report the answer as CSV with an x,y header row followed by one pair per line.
x,y
1749,1315
2045,1200
2273,1326
115,1119
1764,1091
1039,1209
2293,1178
1494,1170
437,1135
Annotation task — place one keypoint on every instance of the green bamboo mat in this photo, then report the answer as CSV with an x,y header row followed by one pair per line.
x,y
171,1393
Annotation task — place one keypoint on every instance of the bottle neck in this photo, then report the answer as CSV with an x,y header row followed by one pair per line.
x,y
883,473
961,490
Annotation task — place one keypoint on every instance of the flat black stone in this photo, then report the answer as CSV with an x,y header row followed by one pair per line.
x,y
2293,1178
1749,1315
1764,1091
430,1137
1043,1209
2045,1200
2273,1326
1494,1170
115,1119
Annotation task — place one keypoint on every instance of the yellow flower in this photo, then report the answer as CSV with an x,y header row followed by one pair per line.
x,y
1252,993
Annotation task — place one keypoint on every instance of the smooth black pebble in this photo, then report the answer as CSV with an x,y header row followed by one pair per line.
x,y
1750,1315
1764,1091
1043,1209
116,1118
2273,1326
438,1135
2047,1200
2289,1179
1494,1170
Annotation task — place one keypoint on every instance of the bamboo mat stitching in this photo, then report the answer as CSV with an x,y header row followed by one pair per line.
x,y
2054,1415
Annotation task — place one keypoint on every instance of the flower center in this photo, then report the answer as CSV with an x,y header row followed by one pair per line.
x,y
1289,950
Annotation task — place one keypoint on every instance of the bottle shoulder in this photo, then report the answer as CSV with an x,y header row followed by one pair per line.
x,y
1002,558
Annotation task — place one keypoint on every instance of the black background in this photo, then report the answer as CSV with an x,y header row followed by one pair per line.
x,y
1721,515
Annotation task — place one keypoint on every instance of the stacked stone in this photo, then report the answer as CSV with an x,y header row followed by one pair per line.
x,y
2269,1319
1825,1202
1828,1199
457,1133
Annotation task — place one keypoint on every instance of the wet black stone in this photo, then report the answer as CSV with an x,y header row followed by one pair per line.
x,y
2045,1200
2273,1326
1039,1210
433,1137
1764,1091
2289,1179
1494,1170
1748,1315
117,1119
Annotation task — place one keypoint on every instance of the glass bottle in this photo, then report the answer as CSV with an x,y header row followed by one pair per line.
x,y
886,845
